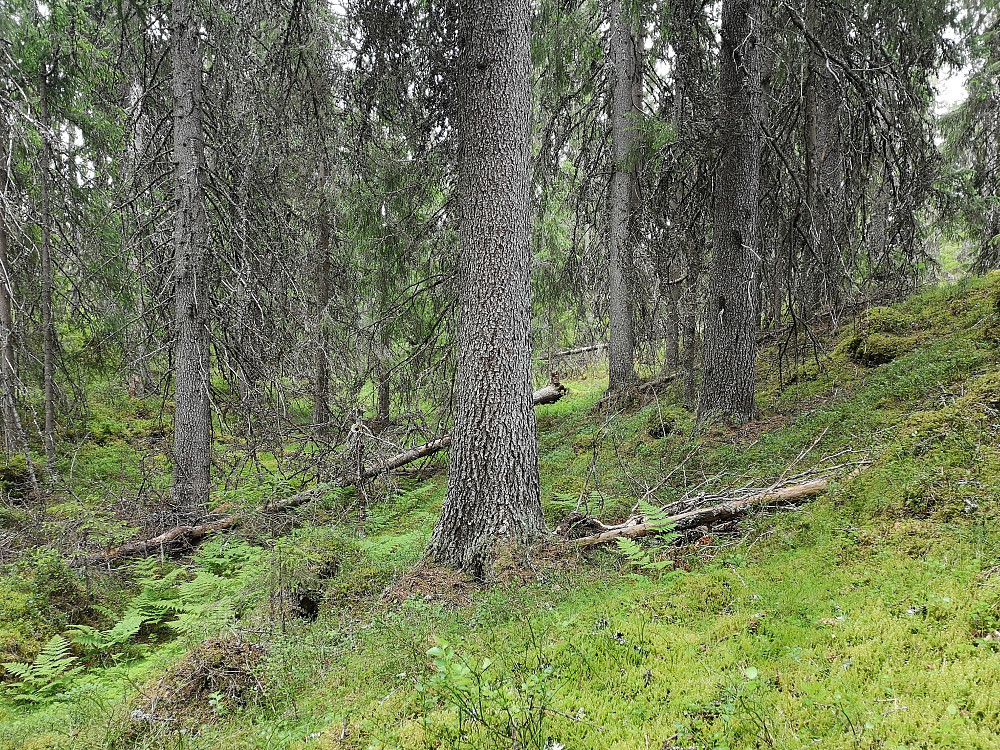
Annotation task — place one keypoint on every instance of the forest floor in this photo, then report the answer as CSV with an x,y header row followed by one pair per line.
x,y
866,618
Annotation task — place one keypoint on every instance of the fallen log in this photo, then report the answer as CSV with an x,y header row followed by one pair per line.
x,y
547,395
550,393
581,350
187,536
636,526
179,534
653,383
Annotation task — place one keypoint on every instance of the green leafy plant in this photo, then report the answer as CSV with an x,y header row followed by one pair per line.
x,y
181,602
640,557
49,675
493,706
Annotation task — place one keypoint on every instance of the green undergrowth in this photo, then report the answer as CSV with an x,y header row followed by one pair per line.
x,y
867,618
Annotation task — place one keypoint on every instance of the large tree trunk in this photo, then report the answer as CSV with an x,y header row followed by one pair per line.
x,y
321,386
493,485
621,261
192,416
732,316
48,321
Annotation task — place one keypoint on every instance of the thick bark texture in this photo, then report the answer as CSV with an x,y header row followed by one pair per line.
x,y
493,486
621,261
192,311
732,317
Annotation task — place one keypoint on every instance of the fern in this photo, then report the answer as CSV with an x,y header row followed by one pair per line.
x,y
659,519
639,557
47,676
177,601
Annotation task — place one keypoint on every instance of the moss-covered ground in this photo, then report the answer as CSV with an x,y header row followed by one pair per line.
x,y
867,618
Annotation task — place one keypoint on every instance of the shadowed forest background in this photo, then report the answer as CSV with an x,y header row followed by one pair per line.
x,y
502,374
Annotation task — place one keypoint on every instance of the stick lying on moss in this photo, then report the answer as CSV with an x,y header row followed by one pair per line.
x,y
636,526
186,536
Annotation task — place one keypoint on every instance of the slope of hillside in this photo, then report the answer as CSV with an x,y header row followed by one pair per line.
x,y
867,618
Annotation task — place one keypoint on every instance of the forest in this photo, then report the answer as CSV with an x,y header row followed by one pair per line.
x,y
499,374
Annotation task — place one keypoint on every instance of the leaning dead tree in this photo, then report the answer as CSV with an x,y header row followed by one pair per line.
x,y
182,537
640,526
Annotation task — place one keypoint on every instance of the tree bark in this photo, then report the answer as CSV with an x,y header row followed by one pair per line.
x,y
671,334
321,392
637,527
8,375
188,535
825,160
691,115
192,311
140,379
689,304
733,306
48,322
383,405
493,491
621,231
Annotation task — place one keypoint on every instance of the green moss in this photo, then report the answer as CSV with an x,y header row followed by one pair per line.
x,y
889,320
15,478
867,618
876,349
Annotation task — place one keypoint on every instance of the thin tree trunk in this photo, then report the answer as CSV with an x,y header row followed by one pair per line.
x,y
690,115
637,526
689,304
383,353
384,405
321,394
11,425
140,380
192,416
621,261
14,438
830,156
48,322
732,311
493,494
671,334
